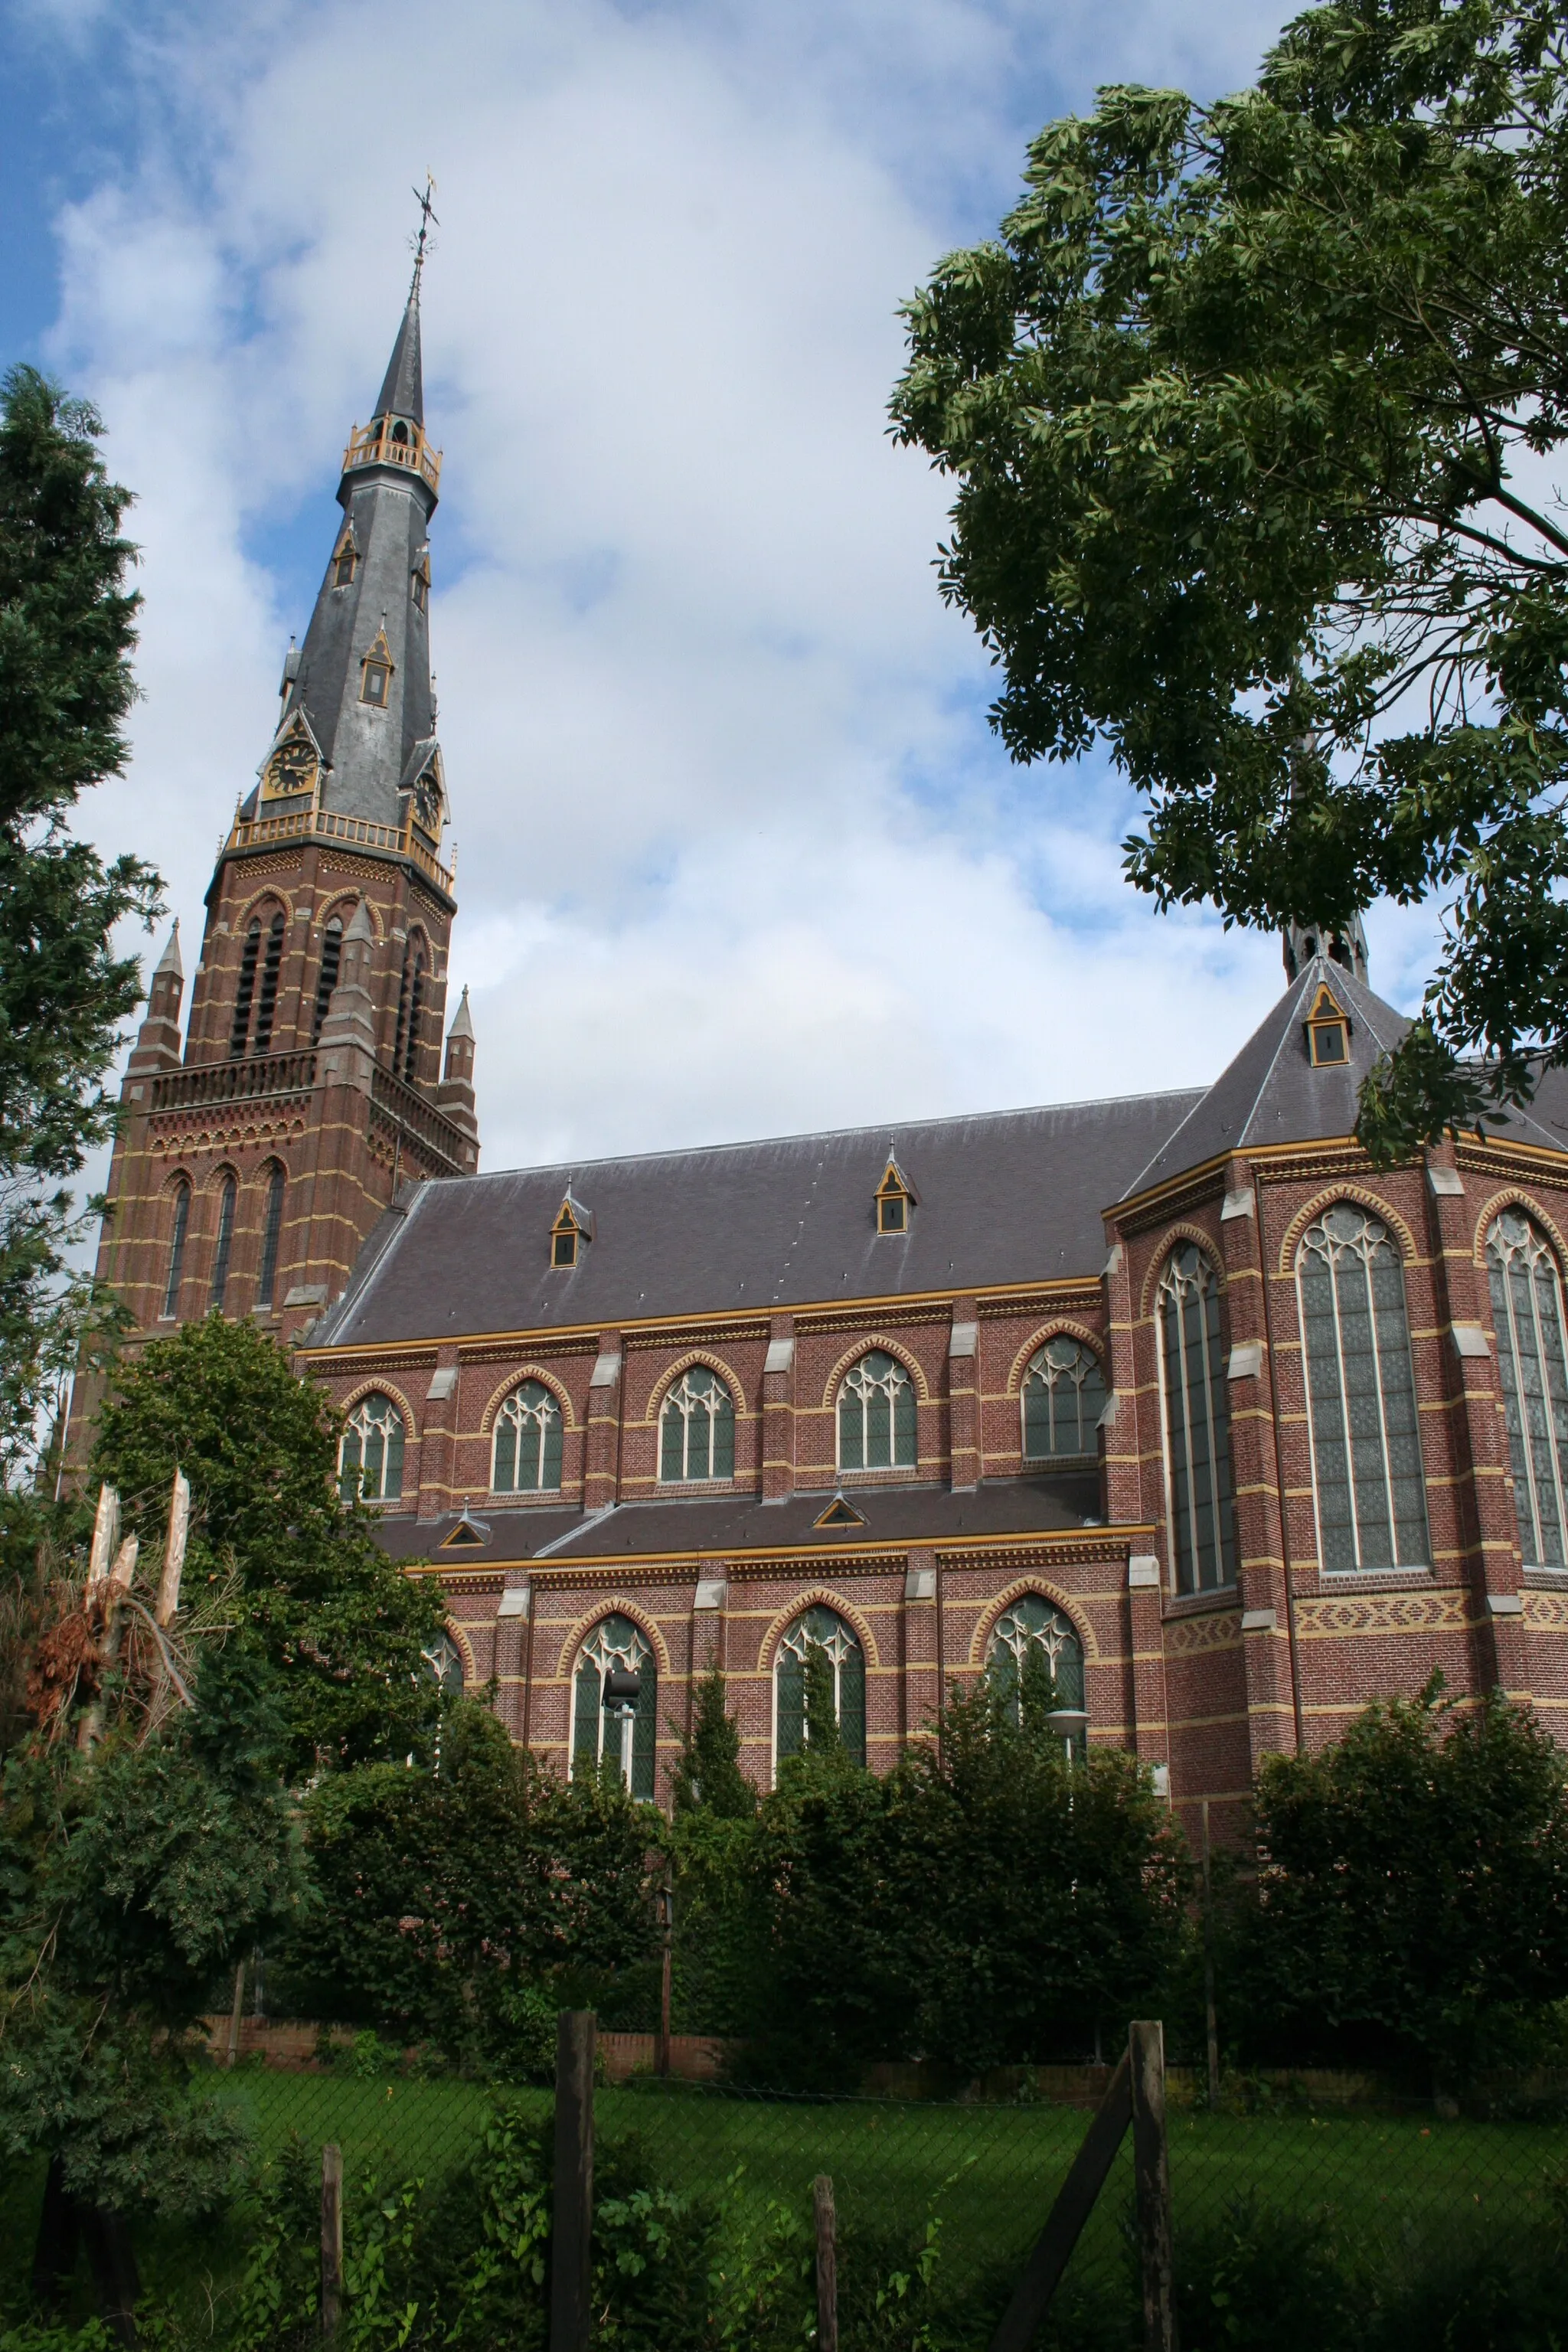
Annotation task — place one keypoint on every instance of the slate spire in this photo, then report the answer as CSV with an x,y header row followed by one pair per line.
x,y
357,728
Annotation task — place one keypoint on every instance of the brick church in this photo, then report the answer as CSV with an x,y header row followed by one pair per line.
x,y
1173,1389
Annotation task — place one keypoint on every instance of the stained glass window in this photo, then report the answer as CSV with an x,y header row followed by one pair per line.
x,y
370,1454
177,1248
1034,1634
527,1452
1361,1390
1533,1364
697,1428
224,1250
1063,1396
876,1415
821,1629
271,1232
1197,1421
626,1739
445,1663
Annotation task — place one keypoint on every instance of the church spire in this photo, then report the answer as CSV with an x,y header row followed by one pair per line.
x,y
357,736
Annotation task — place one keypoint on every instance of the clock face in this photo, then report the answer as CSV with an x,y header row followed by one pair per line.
x,y
292,770
428,806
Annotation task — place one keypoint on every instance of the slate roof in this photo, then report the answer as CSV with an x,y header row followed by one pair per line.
x,y
1013,1196
1272,1094
402,390
722,1525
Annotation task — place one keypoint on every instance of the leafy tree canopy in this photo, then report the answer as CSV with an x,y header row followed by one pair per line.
x,y
66,628
1253,410
343,1628
1412,1898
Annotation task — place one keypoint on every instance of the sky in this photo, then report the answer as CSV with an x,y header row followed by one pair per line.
x,y
737,851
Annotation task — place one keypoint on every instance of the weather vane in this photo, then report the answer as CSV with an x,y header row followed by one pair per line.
x,y
426,218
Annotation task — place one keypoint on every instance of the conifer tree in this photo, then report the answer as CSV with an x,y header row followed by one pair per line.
x,y
708,1775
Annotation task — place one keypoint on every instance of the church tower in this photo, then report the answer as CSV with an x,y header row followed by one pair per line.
x,y
250,1168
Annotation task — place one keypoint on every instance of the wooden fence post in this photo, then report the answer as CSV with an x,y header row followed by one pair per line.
x,y
237,2015
827,2264
1064,2223
571,2222
1152,2169
331,2239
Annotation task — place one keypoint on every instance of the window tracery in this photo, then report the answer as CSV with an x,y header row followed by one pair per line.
x,y
526,1452
1034,1646
820,1631
876,1415
1361,1390
1063,1398
697,1428
626,1737
369,1451
1532,1366
1197,1421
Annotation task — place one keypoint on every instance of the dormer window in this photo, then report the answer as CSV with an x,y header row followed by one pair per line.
x,y
1328,1032
344,561
569,1234
376,684
895,1201
419,585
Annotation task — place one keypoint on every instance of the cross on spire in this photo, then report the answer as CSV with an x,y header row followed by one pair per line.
x,y
427,220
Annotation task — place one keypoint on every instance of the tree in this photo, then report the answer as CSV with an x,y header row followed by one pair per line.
x,y
66,628
1411,1901
1252,409
345,1630
708,1772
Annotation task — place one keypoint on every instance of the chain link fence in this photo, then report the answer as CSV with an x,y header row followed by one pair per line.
x,y
1295,2227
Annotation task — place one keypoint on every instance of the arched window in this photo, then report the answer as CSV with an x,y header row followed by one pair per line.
x,y
239,1030
370,1454
410,1007
697,1428
271,1231
876,1415
246,992
526,1456
1063,1396
1361,1393
624,1735
327,978
1197,1421
1032,1639
221,1254
823,1632
445,1663
267,994
1533,1364
177,1248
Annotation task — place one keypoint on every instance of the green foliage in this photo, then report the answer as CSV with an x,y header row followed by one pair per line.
x,y
67,627
464,1904
343,1628
1251,409
1411,1903
708,1772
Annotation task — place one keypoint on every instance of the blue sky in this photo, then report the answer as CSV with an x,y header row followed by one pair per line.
x,y
737,853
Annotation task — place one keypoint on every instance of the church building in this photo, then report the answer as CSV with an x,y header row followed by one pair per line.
x,y
1174,1389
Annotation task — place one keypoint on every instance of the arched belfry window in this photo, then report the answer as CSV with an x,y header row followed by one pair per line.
x,y
406,1037
526,1456
697,1428
369,1451
624,1733
1063,1396
1033,1648
820,1633
1532,1365
1197,1421
877,1416
327,976
260,962
1360,1393
178,1230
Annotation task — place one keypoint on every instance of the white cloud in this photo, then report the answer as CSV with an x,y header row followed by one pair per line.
x,y
737,854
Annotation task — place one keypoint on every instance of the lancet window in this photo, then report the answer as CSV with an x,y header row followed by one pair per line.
x,y
1034,1650
625,1734
1532,1365
1361,1390
181,1227
369,1451
838,1679
227,1197
271,1232
526,1454
697,1428
1063,1396
1197,1421
876,1415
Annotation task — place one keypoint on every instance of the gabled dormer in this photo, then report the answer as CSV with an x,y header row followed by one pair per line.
x,y
293,769
375,672
571,1233
1328,1031
894,1199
